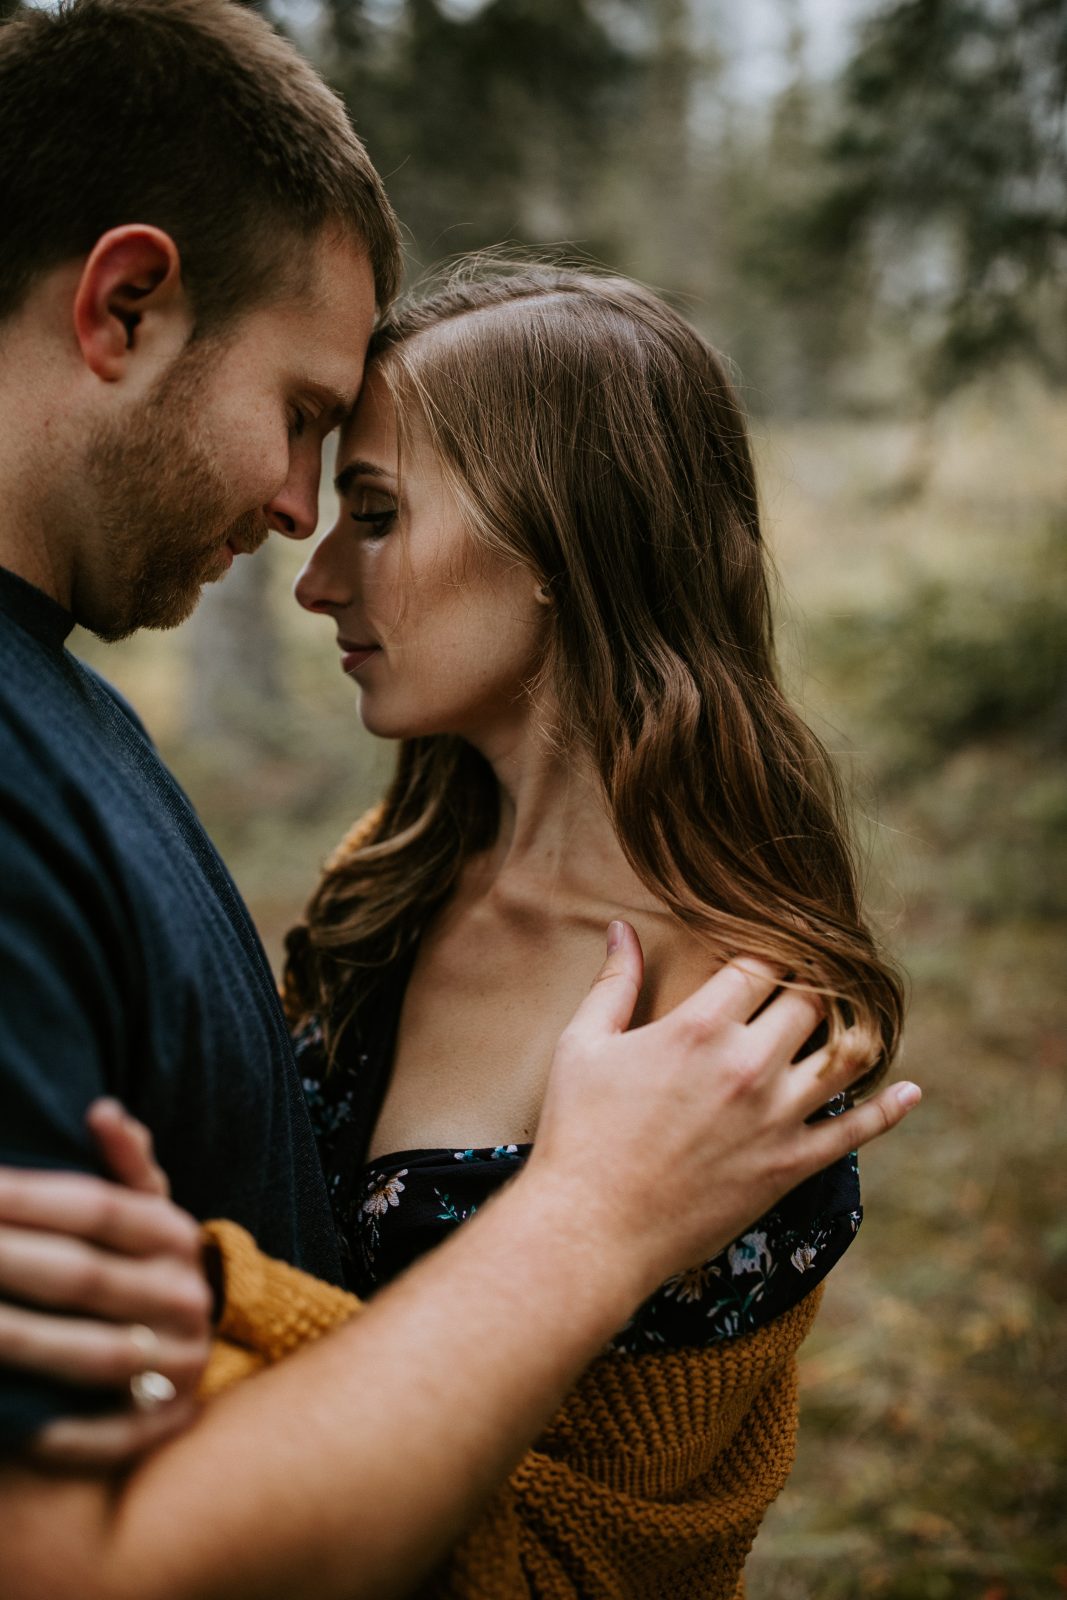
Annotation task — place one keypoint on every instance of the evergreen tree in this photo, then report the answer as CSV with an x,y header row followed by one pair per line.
x,y
487,126
948,172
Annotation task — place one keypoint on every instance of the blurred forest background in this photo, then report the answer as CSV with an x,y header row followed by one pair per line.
x,y
865,205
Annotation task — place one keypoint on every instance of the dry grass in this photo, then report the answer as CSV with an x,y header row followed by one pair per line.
x,y
933,1454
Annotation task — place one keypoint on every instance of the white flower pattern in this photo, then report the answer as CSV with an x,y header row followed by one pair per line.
x,y
748,1254
386,1216
385,1194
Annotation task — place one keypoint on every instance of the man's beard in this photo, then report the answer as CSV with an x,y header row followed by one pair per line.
x,y
161,510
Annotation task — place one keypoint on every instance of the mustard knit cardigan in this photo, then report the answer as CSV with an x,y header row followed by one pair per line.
x,y
648,1484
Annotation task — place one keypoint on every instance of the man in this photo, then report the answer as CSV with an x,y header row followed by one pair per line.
x,y
195,243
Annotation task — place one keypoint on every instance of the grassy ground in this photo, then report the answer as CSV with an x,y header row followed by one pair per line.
x,y
923,583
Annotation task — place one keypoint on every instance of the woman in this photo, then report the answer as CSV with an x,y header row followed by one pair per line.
x,y
548,582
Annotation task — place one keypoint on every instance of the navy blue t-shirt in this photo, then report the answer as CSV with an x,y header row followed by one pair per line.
x,y
129,966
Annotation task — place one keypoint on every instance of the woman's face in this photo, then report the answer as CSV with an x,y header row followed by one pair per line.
x,y
440,634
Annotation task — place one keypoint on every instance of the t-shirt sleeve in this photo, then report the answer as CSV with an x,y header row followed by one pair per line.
x,y
62,1025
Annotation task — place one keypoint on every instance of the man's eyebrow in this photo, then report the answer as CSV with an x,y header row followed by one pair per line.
x,y
357,469
337,407
341,406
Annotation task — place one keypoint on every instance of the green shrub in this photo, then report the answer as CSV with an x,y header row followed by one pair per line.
x,y
957,695
953,666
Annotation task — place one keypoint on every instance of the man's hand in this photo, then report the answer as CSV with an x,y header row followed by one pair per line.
x,y
93,1265
678,1135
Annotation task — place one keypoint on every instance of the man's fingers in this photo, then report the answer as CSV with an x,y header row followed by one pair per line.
x,y
609,1005
831,1070
790,1019
126,1147
830,1140
730,995
94,1208
98,1354
108,1442
52,1270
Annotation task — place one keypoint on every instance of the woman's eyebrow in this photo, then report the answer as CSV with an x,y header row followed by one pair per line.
x,y
357,469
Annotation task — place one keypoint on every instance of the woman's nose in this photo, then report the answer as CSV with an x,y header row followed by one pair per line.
x,y
322,584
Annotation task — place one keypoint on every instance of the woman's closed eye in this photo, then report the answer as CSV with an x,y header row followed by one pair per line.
x,y
375,510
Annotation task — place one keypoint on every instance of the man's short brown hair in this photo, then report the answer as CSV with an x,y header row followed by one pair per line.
x,y
193,116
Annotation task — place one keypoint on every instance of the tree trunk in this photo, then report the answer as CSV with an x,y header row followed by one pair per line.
x,y
236,686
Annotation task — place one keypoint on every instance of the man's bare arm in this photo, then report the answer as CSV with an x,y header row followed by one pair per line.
x,y
351,1468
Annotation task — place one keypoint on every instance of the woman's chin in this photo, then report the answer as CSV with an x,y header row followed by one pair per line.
x,y
386,723
381,727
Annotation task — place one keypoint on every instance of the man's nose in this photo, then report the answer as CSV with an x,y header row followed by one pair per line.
x,y
294,510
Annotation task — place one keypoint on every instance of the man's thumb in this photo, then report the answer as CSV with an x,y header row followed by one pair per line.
x,y
609,1005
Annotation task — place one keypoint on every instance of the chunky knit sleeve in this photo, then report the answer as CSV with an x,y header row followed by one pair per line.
x,y
650,1482
268,1308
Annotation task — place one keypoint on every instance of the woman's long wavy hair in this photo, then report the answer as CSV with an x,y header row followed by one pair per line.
x,y
593,435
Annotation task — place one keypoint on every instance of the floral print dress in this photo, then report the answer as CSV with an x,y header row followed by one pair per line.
x,y
389,1212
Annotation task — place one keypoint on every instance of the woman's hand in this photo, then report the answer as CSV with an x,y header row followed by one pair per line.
x,y
109,1285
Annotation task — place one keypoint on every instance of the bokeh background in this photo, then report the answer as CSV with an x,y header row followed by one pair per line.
x,y
866,206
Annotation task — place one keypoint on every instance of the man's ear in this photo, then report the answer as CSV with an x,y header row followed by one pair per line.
x,y
130,300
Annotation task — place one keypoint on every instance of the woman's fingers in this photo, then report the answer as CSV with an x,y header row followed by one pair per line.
x,y
107,1443
95,1208
123,1255
98,1354
53,1270
126,1147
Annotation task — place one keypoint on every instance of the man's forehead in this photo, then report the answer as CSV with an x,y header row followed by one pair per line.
x,y
323,327
322,347
327,324
339,280
374,422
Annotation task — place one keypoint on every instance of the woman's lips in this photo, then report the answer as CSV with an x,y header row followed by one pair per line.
x,y
354,656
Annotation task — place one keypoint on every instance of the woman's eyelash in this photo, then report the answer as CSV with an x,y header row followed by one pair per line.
x,y
379,519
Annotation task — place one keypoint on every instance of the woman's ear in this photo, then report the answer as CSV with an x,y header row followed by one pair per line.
x,y
130,301
542,596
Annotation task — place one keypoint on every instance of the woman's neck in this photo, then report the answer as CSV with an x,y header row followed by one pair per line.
x,y
505,962
556,838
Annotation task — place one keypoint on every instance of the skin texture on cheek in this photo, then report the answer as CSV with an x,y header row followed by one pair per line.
x,y
458,627
165,511
462,635
212,456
